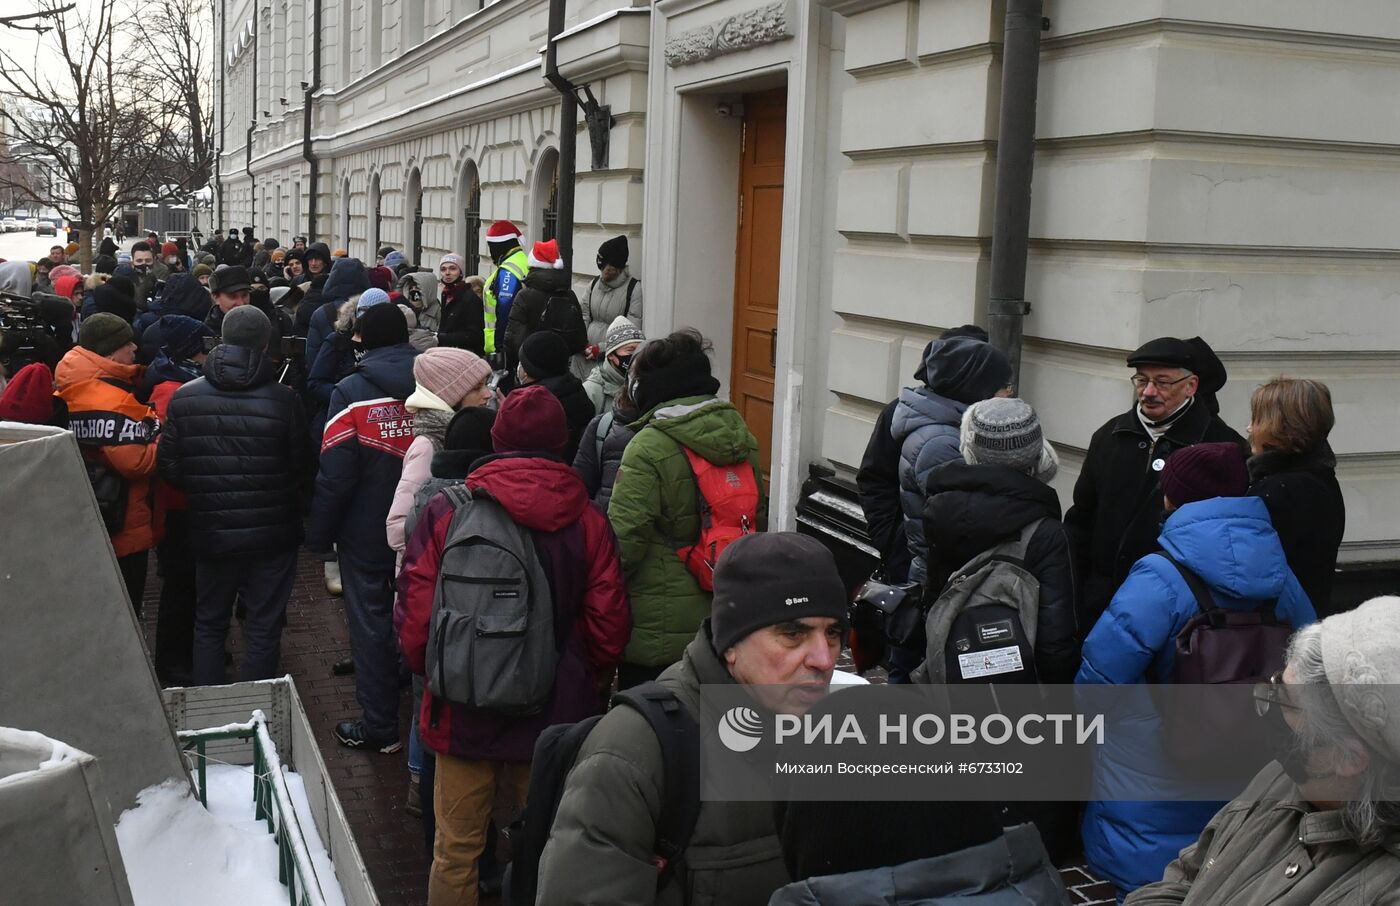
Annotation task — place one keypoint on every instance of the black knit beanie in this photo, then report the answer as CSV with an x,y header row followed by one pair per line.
x,y
772,577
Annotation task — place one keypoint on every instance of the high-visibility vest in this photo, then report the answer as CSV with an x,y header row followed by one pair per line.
x,y
517,263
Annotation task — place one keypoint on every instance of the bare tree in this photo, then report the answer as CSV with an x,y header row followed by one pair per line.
x,y
35,21
74,110
172,41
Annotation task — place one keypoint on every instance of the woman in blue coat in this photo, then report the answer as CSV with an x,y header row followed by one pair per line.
x,y
1229,542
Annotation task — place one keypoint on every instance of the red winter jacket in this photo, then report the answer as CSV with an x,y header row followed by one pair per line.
x,y
579,553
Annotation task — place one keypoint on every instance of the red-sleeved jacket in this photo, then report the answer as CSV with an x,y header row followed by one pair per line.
x,y
579,553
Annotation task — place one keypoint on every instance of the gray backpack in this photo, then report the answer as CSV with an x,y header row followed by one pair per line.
x,y
982,628
491,641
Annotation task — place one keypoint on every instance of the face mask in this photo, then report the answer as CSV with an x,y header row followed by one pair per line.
x,y
141,268
1283,745
632,390
624,363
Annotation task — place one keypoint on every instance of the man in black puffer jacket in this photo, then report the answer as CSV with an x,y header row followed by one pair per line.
x,y
234,441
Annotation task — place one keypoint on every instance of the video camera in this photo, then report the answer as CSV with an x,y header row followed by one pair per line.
x,y
25,337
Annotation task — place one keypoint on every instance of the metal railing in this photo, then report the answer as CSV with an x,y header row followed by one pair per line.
x,y
272,802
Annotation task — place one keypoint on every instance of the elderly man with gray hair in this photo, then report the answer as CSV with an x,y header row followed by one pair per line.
x,y
1322,823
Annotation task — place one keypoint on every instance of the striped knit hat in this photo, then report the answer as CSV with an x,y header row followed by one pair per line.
x,y
1006,432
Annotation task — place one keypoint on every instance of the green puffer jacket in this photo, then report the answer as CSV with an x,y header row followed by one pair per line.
x,y
600,850
655,510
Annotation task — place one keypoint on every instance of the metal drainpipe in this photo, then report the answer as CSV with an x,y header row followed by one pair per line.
x,y
568,136
313,165
252,194
223,76
1011,216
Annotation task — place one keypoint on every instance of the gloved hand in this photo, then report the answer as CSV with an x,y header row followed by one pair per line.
x,y
592,352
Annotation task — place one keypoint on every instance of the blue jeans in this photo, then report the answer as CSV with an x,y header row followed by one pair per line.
x,y
415,745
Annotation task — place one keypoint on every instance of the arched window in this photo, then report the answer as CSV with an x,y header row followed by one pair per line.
x,y
344,237
469,205
374,214
547,195
413,214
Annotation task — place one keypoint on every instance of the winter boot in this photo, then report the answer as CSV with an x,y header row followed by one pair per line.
x,y
352,734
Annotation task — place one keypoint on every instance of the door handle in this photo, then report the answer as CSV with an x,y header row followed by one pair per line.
x,y
773,348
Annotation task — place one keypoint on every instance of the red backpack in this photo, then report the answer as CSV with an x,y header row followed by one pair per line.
x,y
728,497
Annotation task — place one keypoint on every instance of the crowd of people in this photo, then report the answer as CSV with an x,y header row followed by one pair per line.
x,y
533,511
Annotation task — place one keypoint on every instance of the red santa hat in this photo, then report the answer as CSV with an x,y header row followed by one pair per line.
x,y
503,231
546,255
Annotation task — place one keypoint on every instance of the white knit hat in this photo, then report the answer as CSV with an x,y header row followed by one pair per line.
x,y
621,332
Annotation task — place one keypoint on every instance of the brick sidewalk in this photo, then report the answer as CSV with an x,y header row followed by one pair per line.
x,y
372,787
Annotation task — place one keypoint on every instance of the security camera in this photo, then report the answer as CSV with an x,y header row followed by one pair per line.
x,y
729,109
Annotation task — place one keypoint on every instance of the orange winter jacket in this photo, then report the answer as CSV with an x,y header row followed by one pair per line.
x,y
112,426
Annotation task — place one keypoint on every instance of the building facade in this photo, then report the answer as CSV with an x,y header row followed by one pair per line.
x,y
811,185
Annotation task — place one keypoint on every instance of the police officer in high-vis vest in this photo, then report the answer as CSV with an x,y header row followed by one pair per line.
x,y
508,275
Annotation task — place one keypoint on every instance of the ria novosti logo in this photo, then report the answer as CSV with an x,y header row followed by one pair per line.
x,y
740,729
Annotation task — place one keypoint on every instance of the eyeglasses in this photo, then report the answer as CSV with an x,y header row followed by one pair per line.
x,y
1271,692
1140,381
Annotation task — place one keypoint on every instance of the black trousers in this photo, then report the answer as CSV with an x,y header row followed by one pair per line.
x,y
265,582
133,568
174,654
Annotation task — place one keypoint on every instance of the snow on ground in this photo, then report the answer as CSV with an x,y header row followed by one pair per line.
x,y
177,852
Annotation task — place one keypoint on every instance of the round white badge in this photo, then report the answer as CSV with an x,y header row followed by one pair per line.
x,y
1158,465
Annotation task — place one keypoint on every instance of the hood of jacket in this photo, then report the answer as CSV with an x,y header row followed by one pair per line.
x,y
549,280
184,295
920,407
347,277
79,364
163,368
1229,542
564,387
390,368
965,369
708,425
972,508
16,278
538,493
456,463
237,367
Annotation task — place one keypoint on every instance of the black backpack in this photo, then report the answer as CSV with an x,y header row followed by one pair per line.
x,y
555,753
563,315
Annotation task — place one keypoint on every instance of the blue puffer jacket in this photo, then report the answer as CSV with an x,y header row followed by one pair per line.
x,y
1231,544
347,277
926,427
362,453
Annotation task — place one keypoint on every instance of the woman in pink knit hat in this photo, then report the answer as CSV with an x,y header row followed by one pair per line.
x,y
447,379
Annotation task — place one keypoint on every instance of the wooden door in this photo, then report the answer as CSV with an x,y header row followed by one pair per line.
x,y
760,236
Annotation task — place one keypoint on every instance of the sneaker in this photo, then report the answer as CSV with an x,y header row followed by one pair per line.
x,y
414,804
351,733
333,585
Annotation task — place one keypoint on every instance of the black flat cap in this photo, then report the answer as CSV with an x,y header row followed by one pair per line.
x,y
1169,351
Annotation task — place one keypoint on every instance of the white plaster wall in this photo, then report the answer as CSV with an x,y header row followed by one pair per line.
x,y
1221,169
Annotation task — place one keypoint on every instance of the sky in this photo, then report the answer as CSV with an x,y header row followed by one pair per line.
x,y
22,44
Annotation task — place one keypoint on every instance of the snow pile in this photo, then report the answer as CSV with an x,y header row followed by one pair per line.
x,y
59,752
177,852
